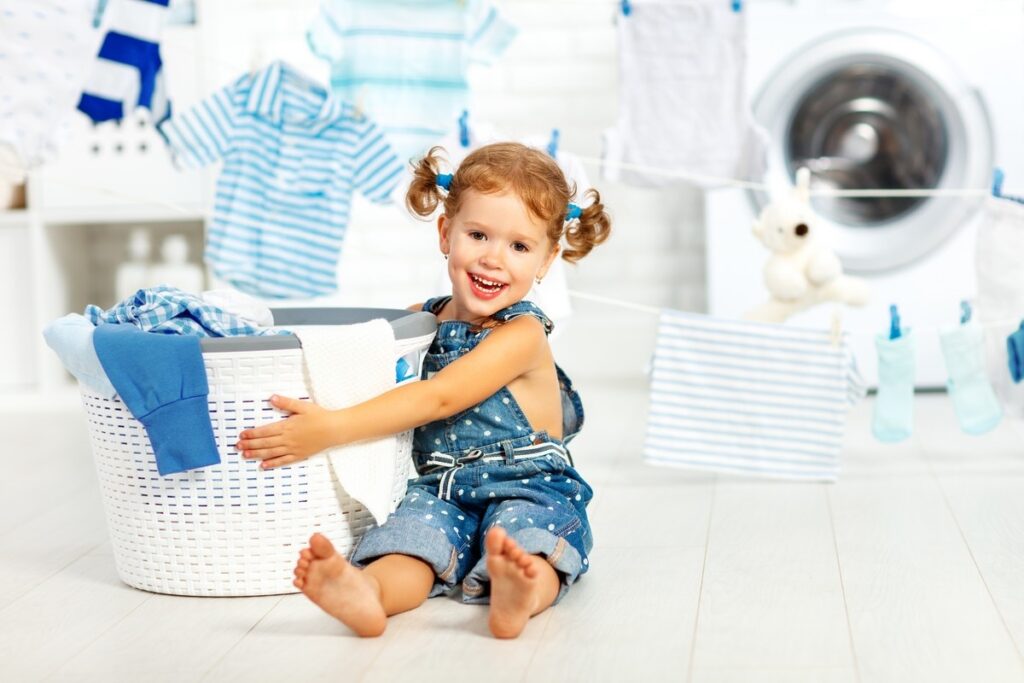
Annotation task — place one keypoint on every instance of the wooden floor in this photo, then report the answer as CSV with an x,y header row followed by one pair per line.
x,y
909,569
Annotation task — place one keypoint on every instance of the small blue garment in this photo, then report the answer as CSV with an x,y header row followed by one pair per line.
x,y
71,338
974,401
162,380
1015,352
893,417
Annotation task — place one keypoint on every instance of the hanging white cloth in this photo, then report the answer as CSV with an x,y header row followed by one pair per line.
x,y
682,98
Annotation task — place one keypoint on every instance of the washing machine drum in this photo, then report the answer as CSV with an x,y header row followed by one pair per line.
x,y
877,110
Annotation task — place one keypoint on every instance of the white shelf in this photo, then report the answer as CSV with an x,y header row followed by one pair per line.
x,y
148,213
14,218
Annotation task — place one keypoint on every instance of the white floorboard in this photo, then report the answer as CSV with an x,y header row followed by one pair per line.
x,y
908,569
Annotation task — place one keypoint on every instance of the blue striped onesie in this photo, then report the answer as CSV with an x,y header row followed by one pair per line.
x,y
293,156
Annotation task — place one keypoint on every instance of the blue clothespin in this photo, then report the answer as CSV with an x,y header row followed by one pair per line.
x,y
894,322
627,7
737,5
965,311
997,182
553,144
464,128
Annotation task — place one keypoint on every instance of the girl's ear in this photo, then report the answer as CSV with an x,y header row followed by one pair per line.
x,y
443,227
547,263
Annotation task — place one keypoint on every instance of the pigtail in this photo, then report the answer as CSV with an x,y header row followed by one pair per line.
x,y
590,229
424,195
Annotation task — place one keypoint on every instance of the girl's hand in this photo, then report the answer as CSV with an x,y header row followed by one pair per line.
x,y
305,432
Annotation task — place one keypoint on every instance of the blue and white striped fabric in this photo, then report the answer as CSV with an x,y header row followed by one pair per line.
x,y
749,398
293,155
170,310
405,63
128,71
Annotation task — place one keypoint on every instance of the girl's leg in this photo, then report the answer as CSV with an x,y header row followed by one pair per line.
x,y
361,599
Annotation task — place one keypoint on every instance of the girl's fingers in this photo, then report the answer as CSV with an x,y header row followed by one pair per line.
x,y
258,444
272,429
265,453
278,462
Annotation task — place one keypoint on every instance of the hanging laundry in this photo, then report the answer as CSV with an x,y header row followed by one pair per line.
x,y
172,311
1015,351
974,401
893,417
999,303
293,156
405,63
682,100
749,398
168,397
46,48
127,72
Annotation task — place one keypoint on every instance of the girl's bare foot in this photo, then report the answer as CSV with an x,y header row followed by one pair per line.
x,y
521,584
340,589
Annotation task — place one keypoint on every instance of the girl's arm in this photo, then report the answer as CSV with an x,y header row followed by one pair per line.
x,y
508,352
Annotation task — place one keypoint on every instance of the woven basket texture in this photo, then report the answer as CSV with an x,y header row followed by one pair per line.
x,y
229,529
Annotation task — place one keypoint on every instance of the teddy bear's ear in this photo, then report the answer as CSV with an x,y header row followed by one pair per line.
x,y
802,191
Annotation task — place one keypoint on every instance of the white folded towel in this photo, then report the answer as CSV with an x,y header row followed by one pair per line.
x,y
346,365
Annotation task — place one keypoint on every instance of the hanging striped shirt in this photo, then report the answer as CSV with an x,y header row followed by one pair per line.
x,y
293,156
128,71
405,63
749,398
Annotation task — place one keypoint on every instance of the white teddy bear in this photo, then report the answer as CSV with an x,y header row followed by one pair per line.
x,y
802,270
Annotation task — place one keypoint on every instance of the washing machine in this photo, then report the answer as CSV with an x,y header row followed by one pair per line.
x,y
872,94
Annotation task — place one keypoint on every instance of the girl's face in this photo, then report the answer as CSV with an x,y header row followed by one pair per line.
x,y
495,249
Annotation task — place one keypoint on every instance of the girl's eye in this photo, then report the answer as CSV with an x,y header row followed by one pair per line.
x,y
477,235
520,247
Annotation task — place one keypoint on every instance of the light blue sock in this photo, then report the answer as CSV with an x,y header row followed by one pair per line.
x,y
975,402
893,419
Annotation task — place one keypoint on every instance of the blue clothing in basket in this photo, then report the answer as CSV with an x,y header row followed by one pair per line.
x,y
162,380
485,467
173,311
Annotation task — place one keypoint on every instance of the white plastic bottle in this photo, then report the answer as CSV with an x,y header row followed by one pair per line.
x,y
134,274
175,269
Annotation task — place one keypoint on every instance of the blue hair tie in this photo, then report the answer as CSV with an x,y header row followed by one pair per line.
x,y
444,180
574,212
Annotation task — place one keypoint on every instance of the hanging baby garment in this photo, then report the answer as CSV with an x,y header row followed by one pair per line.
x,y
293,156
682,99
749,398
999,304
46,52
405,63
128,71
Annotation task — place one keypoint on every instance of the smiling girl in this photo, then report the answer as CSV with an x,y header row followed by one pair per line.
x,y
498,507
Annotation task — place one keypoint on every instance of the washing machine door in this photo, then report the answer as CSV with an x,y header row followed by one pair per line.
x,y
877,109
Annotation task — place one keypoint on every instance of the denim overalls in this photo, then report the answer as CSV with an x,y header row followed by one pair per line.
x,y
485,467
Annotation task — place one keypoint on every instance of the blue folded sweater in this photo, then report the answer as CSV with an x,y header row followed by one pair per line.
x,y
162,381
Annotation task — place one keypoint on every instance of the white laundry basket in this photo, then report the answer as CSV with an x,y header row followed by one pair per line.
x,y
233,529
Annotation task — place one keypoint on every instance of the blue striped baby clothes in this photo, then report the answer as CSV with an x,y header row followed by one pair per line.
x,y
46,52
171,311
128,70
293,156
749,398
405,63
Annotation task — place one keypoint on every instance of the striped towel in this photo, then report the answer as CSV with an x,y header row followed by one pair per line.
x,y
749,398
128,71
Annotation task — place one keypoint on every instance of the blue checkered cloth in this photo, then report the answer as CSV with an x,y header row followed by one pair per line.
x,y
169,310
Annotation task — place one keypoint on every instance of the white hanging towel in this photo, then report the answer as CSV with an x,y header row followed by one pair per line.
x,y
749,398
1000,301
346,365
682,95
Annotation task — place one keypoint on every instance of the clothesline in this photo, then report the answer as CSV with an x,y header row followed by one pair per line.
x,y
652,310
